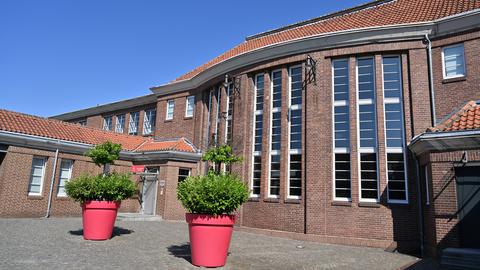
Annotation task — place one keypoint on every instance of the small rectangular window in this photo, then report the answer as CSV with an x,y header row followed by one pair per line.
x,y
107,123
82,123
65,175
190,107
37,175
453,61
120,123
149,121
170,107
133,123
183,173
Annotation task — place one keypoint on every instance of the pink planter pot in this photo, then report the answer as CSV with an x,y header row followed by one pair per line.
x,y
99,219
210,238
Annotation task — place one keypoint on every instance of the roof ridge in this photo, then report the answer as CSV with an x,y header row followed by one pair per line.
x,y
141,144
52,120
335,14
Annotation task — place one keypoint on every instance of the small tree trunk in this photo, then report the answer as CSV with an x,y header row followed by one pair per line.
x,y
106,169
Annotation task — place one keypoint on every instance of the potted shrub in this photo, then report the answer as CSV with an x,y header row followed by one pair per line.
x,y
210,201
100,195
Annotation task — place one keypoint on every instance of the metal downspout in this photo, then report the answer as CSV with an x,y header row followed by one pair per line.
x,y
52,182
305,225
430,79
420,206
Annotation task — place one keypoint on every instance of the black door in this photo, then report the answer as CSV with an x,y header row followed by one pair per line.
x,y
468,199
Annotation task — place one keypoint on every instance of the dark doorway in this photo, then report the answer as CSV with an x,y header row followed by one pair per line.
x,y
468,199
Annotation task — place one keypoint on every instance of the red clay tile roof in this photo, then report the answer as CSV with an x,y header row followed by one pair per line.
x,y
173,145
56,129
381,14
467,118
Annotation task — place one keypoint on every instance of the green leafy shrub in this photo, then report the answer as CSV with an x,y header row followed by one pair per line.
x,y
103,187
111,187
213,194
105,153
219,155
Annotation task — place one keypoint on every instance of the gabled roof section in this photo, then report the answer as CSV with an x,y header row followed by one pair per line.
x,y
466,118
373,14
181,144
55,129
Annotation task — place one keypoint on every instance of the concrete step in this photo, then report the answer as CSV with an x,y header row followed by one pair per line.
x,y
460,258
137,217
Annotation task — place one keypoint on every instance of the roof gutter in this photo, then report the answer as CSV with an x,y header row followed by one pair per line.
x,y
32,141
20,139
169,155
109,107
443,141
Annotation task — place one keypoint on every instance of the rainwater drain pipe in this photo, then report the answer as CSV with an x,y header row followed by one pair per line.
x,y
52,182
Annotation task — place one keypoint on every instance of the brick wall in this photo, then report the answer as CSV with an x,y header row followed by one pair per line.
x,y
15,179
441,216
453,93
180,125
96,121
381,221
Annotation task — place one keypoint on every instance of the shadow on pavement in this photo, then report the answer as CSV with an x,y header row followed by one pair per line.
x,y
181,251
117,231
424,264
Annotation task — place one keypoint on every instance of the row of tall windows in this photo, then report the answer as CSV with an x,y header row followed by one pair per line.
x,y
294,129
367,129
148,123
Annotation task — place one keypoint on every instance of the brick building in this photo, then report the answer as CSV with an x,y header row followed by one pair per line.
x,y
344,123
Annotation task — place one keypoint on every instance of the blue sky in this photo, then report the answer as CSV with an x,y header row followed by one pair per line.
x,y
64,55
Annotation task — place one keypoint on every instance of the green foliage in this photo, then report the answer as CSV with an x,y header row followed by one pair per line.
x,y
110,187
105,153
221,155
213,194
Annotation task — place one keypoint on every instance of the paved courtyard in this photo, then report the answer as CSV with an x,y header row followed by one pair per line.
x,y
57,243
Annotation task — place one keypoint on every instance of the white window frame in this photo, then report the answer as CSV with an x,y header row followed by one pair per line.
x,y
189,101
255,113
42,179
70,168
395,150
110,127
119,128
366,150
444,68
183,168
146,115
270,151
133,123
229,117
218,111
169,115
295,151
340,150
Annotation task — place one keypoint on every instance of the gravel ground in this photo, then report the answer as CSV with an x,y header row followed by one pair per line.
x,y
57,243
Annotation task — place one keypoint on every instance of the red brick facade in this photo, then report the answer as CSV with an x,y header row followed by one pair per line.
x,y
352,222
315,213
